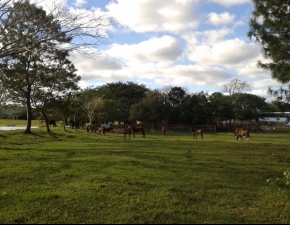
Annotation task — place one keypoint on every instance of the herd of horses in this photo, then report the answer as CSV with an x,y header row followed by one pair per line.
x,y
103,129
239,133
100,128
73,124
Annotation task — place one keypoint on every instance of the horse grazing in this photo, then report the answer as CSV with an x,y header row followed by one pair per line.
x,y
127,131
138,129
237,130
93,128
105,130
52,122
163,129
196,132
242,134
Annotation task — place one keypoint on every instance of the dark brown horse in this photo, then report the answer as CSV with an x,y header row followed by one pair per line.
x,y
196,132
105,130
52,122
127,131
163,129
138,129
242,134
93,128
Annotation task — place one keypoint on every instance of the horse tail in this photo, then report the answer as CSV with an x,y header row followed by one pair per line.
x,y
201,134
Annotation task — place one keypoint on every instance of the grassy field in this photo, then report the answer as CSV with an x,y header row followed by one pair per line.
x,y
18,122
72,177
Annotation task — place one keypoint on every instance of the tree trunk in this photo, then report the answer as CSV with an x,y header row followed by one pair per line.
x,y
29,117
46,122
64,123
74,122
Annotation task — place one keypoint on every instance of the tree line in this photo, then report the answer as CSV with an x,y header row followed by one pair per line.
x,y
128,102
36,73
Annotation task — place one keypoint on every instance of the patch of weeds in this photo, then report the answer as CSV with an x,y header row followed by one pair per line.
x,y
281,182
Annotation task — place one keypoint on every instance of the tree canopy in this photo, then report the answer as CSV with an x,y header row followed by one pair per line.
x,y
270,26
86,31
38,77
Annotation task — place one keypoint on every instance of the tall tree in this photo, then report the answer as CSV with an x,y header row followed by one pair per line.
x,y
221,107
270,26
250,106
146,110
235,89
124,96
87,31
36,78
90,103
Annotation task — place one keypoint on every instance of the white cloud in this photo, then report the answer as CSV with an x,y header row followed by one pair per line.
x,y
220,19
156,16
207,49
164,49
209,37
186,54
79,3
228,3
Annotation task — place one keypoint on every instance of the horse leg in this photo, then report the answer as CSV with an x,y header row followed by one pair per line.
x,y
247,136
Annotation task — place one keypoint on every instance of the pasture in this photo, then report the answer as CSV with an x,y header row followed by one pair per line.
x,y
74,177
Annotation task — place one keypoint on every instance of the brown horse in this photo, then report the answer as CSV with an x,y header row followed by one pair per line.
x,y
196,132
138,129
127,131
163,129
237,130
242,134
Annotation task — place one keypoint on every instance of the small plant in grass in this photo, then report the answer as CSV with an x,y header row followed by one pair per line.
x,y
285,181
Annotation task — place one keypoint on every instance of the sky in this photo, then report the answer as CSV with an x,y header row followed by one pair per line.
x,y
198,45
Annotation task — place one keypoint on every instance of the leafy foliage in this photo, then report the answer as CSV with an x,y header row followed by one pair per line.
x,y
269,26
42,76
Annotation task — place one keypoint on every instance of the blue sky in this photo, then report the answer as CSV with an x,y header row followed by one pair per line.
x,y
195,44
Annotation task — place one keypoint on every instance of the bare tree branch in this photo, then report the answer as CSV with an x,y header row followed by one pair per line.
x,y
87,30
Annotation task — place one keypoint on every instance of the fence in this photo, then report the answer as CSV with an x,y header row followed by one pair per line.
x,y
276,128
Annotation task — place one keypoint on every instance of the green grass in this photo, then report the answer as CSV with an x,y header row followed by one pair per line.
x,y
72,177
19,122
